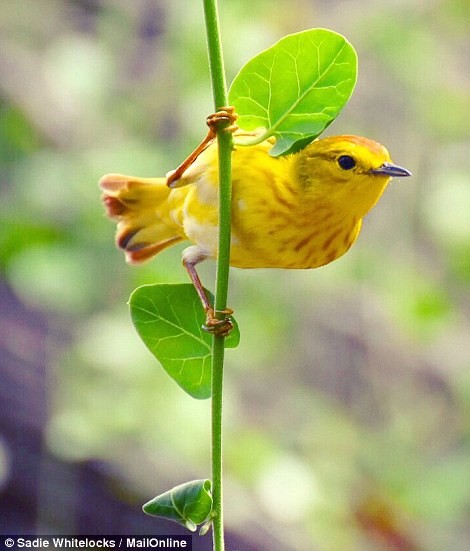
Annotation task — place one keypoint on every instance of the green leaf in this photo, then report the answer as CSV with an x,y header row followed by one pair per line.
x,y
189,504
295,89
169,320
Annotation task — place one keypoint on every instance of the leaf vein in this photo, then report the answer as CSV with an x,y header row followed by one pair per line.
x,y
159,317
309,89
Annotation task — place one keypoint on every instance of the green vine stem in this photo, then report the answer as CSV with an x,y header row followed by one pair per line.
x,y
224,139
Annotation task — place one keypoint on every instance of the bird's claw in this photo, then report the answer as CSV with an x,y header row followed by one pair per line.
x,y
223,114
215,326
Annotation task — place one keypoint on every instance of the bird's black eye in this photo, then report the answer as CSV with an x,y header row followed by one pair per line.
x,y
346,162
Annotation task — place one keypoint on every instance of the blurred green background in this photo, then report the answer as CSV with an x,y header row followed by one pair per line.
x,y
348,400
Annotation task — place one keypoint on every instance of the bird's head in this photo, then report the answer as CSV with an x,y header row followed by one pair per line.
x,y
350,170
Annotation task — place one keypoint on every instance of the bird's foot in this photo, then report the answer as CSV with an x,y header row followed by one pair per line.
x,y
224,114
216,326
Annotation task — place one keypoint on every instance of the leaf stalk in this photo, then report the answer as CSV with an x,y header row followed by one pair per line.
x,y
225,143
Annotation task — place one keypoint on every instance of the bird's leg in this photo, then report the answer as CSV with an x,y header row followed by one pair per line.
x,y
221,327
224,114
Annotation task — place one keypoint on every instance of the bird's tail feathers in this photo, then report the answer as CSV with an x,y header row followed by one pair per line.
x,y
133,203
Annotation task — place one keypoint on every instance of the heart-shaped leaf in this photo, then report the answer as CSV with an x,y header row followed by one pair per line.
x,y
189,504
169,320
295,89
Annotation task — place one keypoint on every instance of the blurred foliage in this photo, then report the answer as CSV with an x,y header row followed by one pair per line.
x,y
348,400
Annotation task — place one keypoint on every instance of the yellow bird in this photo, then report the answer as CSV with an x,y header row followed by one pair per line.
x,y
302,210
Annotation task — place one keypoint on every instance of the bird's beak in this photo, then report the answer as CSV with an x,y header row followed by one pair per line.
x,y
389,169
